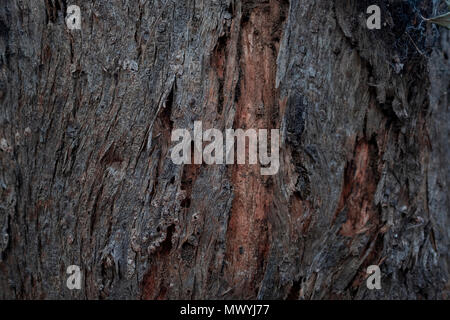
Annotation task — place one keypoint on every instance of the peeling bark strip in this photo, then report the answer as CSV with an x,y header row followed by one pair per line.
x,y
256,107
86,177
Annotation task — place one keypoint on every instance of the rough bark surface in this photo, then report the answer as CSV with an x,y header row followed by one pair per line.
x,y
86,176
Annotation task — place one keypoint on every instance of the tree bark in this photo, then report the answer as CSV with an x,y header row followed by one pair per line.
x,y
86,176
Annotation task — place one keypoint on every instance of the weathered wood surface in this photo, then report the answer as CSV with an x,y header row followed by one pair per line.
x,y
86,177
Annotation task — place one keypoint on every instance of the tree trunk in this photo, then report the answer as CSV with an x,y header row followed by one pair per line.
x,y
86,176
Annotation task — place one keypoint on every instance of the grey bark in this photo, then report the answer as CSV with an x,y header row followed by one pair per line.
x,y
86,178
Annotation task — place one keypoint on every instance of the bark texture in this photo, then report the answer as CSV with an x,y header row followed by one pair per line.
x,y
86,176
